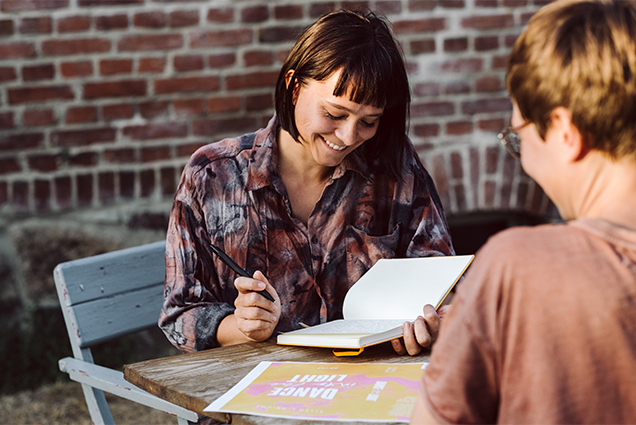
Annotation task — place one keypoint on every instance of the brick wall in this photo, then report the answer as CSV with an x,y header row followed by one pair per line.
x,y
103,101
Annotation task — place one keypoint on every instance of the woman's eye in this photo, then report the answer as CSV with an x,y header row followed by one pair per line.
x,y
368,124
333,117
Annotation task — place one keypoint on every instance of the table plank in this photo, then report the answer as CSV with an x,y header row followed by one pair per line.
x,y
195,380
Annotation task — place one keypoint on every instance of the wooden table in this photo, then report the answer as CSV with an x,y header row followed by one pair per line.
x,y
195,380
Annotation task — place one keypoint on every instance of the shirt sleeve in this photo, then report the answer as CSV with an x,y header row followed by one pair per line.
x,y
460,385
193,304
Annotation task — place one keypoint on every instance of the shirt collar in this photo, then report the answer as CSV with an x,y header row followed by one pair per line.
x,y
264,159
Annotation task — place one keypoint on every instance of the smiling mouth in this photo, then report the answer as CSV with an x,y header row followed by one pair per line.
x,y
332,146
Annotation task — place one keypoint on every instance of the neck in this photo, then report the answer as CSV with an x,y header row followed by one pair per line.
x,y
608,190
294,159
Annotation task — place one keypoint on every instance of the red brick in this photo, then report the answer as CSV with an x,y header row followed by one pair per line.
x,y
17,50
6,121
20,196
119,156
474,174
4,193
225,15
63,192
7,73
419,5
28,5
419,25
426,130
113,22
75,46
81,114
83,137
488,22
452,4
426,89
460,197
495,124
224,104
389,7
118,112
6,27
457,128
255,79
147,181
456,87
21,141
168,181
106,187
510,40
223,126
38,72
279,34
115,66
463,65
440,178
118,3
44,163
187,150
76,69
136,43
456,44
515,3
9,165
40,25
127,184
156,131
488,84
508,174
486,3
500,62
432,109
187,107
288,11
74,24
355,5
125,88
483,44
39,117
155,153
258,57
183,18
152,65
522,195
223,38
254,14
84,185
492,158
501,104
187,84
154,19
525,18
39,94
260,102
318,9
222,60
150,110
84,159
188,63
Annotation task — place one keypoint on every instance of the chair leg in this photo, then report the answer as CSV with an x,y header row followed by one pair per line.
x,y
97,406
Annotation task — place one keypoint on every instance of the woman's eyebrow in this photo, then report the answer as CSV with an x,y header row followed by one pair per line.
x,y
344,108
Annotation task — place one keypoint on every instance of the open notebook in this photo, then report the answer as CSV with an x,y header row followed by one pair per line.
x,y
392,292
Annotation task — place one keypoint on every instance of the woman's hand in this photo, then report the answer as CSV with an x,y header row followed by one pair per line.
x,y
256,316
422,333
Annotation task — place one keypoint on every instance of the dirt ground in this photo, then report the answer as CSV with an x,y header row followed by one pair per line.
x,y
63,404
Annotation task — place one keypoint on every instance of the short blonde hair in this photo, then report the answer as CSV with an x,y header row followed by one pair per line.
x,y
581,55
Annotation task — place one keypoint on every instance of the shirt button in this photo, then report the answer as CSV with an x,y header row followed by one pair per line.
x,y
314,240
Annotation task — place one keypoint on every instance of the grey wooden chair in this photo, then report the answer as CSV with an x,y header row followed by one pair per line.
x,y
108,296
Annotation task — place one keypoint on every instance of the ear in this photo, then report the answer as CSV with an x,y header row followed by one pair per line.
x,y
570,138
288,79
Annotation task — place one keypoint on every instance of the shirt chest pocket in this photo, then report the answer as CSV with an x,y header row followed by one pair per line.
x,y
364,250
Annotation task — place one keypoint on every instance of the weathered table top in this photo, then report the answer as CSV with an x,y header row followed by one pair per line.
x,y
195,380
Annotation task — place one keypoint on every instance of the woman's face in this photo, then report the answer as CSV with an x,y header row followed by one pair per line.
x,y
331,127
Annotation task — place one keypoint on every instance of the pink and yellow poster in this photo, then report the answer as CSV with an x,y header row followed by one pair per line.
x,y
372,392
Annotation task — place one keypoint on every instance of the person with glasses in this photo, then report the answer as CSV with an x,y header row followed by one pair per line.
x,y
543,327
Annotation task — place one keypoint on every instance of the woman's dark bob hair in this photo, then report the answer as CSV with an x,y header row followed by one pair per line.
x,y
373,73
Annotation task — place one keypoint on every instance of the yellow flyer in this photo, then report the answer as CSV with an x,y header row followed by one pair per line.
x,y
371,392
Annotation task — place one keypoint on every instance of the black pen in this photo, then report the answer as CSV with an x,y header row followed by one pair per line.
x,y
227,260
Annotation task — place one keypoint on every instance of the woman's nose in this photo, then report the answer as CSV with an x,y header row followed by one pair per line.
x,y
347,133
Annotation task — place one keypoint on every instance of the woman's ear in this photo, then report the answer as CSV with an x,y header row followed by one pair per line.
x,y
288,79
568,134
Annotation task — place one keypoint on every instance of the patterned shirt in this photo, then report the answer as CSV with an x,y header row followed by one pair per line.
x,y
232,196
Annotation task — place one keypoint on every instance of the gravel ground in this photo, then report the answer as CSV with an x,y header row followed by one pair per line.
x,y
63,404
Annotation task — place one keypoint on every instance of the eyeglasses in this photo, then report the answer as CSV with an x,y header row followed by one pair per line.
x,y
510,139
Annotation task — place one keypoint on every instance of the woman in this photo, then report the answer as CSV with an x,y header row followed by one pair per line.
x,y
308,204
